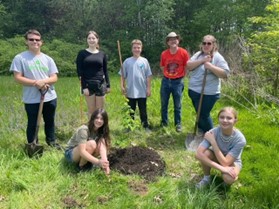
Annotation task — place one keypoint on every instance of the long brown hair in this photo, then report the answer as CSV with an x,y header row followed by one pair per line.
x,y
102,132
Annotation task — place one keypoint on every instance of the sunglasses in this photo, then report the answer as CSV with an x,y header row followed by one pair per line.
x,y
206,43
34,39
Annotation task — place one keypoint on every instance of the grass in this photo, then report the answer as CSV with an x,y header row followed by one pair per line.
x,y
49,182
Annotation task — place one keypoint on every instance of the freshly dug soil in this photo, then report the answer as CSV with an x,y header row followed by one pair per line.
x,y
137,160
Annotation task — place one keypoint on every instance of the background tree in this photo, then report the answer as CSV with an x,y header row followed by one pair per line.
x,y
264,46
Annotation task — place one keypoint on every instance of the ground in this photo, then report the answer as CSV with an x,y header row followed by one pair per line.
x,y
143,161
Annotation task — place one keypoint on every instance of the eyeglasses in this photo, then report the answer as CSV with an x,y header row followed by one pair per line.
x,y
206,43
34,39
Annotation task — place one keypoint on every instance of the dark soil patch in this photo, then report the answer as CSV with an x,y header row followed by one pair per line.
x,y
145,162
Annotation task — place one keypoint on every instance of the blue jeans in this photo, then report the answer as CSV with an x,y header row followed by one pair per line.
x,y
205,122
174,87
48,116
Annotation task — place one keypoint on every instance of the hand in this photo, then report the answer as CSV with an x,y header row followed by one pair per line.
x,y
107,170
230,171
45,87
148,93
209,136
104,164
86,92
208,65
207,58
40,84
123,90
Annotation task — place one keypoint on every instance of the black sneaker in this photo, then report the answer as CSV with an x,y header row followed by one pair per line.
x,y
55,145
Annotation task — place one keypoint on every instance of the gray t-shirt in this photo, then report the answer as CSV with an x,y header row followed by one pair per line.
x,y
213,83
232,145
34,67
135,72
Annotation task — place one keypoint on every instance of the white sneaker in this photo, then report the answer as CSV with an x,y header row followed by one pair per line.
x,y
203,183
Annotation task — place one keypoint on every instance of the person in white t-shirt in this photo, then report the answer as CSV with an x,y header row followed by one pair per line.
x,y
136,81
36,72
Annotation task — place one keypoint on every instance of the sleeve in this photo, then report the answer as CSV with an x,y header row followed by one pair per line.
x,y
205,144
124,66
238,147
79,61
52,67
105,62
195,56
16,65
163,60
82,135
148,71
222,63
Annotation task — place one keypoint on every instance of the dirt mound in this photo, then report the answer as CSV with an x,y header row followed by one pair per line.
x,y
137,160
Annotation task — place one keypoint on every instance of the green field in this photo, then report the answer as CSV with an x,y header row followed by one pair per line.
x,y
50,183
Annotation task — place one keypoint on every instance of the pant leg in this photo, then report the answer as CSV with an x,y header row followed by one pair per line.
x,y
177,90
32,114
206,122
49,119
165,96
143,112
132,103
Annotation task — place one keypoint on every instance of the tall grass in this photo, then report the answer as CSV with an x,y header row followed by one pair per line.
x,y
49,182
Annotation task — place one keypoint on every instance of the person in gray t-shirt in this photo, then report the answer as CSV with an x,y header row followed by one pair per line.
x,y
136,81
37,71
210,63
222,148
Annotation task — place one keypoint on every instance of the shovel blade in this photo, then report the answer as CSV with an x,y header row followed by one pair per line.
x,y
34,150
192,141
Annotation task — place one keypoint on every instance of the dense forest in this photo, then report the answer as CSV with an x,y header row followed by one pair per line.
x,y
247,32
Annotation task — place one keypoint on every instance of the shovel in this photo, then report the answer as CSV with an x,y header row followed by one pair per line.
x,y
34,149
192,139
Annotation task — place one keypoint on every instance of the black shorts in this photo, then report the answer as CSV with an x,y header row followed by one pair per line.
x,y
96,87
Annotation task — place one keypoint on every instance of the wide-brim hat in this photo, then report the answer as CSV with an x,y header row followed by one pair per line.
x,y
172,35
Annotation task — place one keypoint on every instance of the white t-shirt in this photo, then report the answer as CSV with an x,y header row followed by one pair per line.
x,y
35,67
136,71
213,83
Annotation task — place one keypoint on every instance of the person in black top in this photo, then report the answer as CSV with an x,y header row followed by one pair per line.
x,y
93,73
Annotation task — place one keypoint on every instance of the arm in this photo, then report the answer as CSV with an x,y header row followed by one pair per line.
x,y
227,160
104,159
219,72
106,73
193,64
37,83
122,85
148,90
204,159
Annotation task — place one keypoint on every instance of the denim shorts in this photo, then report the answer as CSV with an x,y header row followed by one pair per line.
x,y
69,155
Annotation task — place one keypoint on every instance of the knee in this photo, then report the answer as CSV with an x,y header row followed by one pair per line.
x,y
228,179
91,146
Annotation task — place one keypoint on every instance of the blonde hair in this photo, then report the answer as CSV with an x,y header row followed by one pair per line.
x,y
214,42
136,41
229,109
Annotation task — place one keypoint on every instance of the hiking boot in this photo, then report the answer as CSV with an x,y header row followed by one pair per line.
x,y
203,183
55,145
178,128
